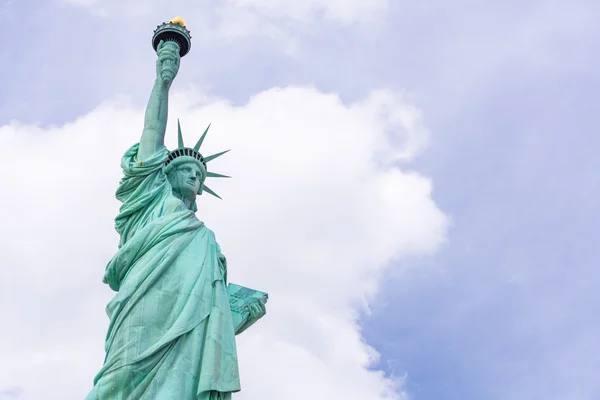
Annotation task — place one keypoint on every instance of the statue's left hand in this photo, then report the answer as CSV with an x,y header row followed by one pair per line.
x,y
257,310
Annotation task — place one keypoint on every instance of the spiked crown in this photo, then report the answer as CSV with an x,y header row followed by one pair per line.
x,y
186,154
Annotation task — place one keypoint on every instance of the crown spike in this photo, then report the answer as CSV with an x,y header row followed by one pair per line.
x,y
215,175
197,146
179,135
212,157
208,190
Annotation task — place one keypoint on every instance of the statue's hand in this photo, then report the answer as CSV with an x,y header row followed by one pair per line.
x,y
167,64
257,310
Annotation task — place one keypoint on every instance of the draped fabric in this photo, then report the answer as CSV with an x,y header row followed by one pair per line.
x,y
171,332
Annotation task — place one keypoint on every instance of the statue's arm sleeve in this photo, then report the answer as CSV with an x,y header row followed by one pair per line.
x,y
141,189
141,175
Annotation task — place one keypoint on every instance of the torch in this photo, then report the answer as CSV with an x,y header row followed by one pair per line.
x,y
173,31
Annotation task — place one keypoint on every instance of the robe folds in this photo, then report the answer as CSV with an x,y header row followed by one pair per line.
x,y
171,332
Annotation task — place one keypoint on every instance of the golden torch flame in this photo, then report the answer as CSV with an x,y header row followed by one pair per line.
x,y
177,20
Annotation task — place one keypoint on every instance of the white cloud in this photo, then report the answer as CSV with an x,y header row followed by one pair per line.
x,y
343,11
112,8
277,20
312,215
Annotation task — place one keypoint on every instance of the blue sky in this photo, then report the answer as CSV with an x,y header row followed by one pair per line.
x,y
507,308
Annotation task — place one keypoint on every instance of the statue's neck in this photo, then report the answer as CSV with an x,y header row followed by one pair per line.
x,y
188,203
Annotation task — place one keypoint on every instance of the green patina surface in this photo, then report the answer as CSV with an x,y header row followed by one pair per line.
x,y
171,332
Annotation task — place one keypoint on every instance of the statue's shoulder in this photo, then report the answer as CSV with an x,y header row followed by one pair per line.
x,y
209,232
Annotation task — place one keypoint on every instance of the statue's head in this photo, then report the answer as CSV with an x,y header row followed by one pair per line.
x,y
186,176
186,170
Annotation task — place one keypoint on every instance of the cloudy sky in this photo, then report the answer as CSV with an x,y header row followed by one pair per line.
x,y
415,185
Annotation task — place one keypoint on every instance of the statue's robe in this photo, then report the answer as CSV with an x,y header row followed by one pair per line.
x,y
171,332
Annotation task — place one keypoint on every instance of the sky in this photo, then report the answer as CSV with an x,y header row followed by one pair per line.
x,y
414,184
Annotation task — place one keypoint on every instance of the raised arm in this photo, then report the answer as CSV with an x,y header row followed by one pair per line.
x,y
155,122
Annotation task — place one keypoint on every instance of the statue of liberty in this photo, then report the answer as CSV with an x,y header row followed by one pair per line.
x,y
172,322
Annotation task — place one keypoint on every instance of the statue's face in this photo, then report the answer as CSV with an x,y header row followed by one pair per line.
x,y
186,179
